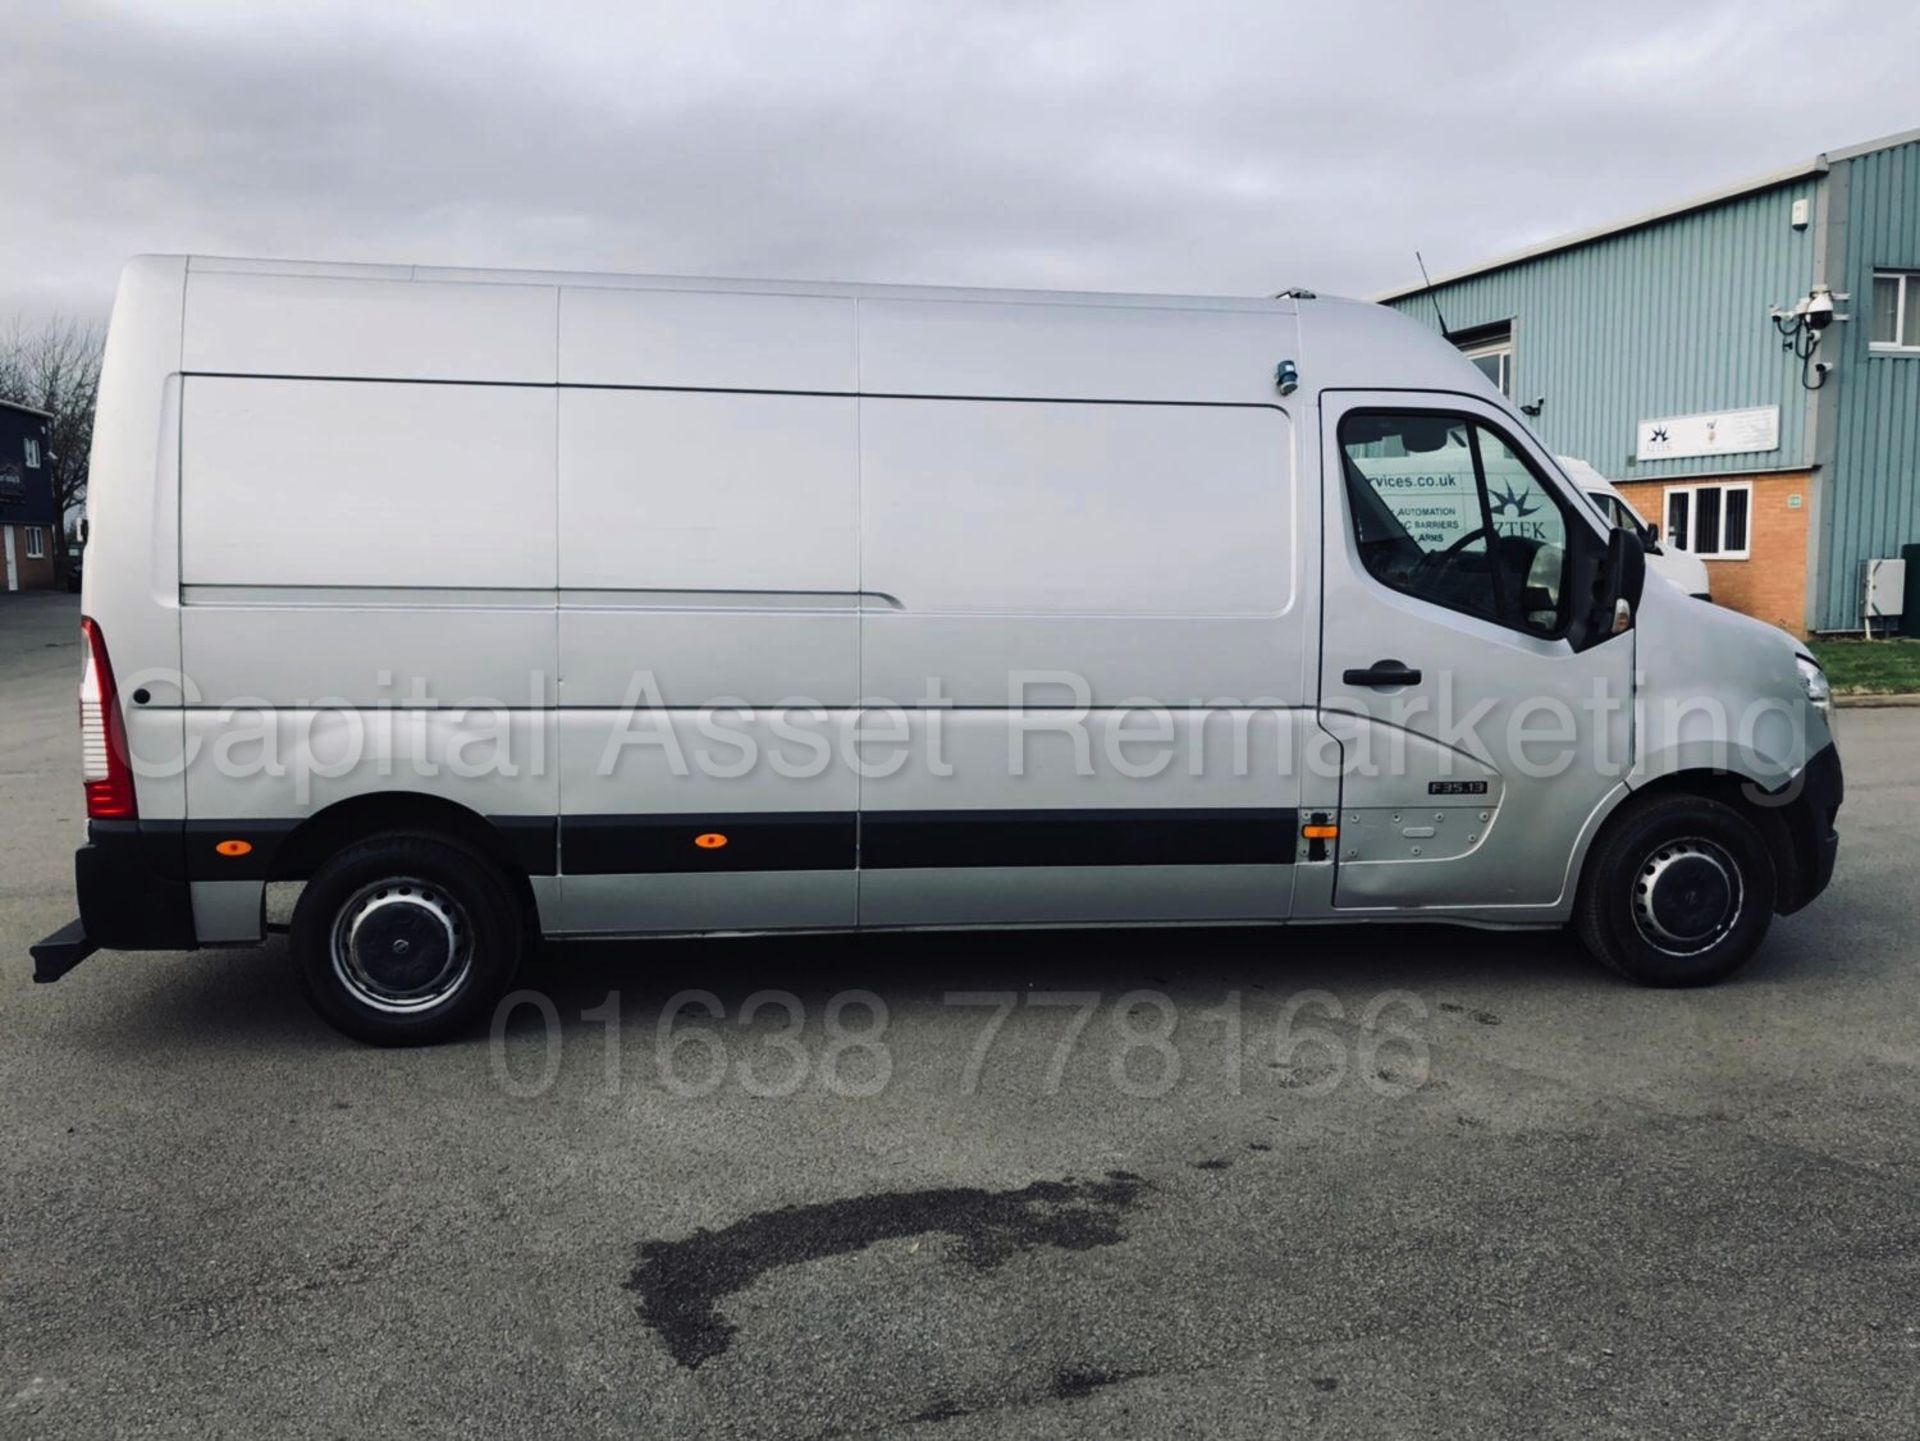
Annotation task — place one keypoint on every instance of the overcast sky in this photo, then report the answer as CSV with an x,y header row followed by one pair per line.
x,y
1231,148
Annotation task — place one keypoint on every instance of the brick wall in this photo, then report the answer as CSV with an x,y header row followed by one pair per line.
x,y
1771,584
31,574
35,574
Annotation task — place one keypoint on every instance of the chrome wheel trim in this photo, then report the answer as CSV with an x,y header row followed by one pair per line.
x,y
1678,924
424,945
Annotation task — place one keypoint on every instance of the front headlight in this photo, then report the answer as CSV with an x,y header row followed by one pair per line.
x,y
1819,689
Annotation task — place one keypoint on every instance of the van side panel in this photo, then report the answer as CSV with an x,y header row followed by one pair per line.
x,y
285,762
1144,550
679,491
131,582
1094,611
295,645
709,340
641,785
710,540
367,577
367,543
709,570
1083,815
367,483
1094,352
658,547
388,329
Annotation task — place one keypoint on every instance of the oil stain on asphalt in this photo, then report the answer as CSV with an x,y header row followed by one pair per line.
x,y
682,1283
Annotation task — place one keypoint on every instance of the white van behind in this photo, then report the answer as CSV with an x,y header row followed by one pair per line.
x,y
499,606
1678,567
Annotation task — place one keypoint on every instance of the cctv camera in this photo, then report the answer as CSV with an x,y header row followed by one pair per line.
x,y
1819,310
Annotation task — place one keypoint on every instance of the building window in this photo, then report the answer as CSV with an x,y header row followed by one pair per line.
x,y
36,543
1492,352
1896,310
33,453
1710,520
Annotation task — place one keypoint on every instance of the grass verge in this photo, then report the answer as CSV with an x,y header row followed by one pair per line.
x,y
1870,667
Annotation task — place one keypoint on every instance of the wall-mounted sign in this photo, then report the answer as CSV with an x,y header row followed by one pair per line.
x,y
1719,432
1793,501
13,485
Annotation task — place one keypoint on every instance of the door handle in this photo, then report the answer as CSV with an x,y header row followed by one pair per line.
x,y
1383,673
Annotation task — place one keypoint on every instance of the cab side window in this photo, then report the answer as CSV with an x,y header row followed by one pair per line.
x,y
1615,511
1445,510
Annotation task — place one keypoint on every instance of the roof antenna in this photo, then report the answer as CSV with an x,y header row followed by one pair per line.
x,y
1444,332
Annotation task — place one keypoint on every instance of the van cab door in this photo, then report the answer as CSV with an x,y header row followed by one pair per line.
x,y
1482,710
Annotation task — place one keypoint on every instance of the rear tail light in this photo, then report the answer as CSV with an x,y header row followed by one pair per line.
x,y
103,734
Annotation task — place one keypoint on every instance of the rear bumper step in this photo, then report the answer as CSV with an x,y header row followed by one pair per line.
x,y
62,951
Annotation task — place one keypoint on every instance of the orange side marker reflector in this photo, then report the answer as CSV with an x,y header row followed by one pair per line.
x,y
710,841
1321,833
234,848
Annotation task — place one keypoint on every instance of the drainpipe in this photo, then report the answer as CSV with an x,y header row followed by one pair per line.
x,y
1829,269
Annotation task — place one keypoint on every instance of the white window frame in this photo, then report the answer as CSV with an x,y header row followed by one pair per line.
x,y
1909,282
1688,492
1501,347
33,453
36,542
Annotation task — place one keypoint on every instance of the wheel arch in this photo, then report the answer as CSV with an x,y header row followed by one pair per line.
x,y
1771,812
520,846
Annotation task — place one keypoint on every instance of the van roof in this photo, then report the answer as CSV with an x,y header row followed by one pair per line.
x,y
605,280
278,317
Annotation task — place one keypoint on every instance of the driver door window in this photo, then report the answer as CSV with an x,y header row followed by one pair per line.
x,y
1445,510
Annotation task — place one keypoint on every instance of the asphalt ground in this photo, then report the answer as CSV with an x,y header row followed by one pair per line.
x,y
1388,1182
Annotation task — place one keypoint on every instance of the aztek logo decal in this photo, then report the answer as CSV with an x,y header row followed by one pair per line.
x,y
1507,501
1510,508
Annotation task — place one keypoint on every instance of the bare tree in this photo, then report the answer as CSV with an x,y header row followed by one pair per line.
x,y
56,368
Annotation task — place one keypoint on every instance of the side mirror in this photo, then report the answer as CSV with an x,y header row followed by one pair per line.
x,y
1609,576
1650,539
1626,576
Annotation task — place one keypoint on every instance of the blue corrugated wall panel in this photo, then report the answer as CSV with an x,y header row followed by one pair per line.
x,y
1669,319
1872,495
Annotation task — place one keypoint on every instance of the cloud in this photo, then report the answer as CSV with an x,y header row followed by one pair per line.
x,y
1195,147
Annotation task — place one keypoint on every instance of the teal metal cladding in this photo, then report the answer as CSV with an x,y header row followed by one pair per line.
x,y
1872,492
1670,318
1667,319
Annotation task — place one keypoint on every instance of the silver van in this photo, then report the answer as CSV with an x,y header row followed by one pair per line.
x,y
492,606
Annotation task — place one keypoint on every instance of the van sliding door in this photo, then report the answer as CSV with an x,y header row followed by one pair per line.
x,y
1089,618
708,640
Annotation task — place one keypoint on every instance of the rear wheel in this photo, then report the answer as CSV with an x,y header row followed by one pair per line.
x,y
406,939
1679,892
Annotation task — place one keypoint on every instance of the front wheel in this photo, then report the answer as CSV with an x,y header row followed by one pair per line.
x,y
406,939
1678,892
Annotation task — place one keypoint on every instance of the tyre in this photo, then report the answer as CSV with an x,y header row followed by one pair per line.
x,y
406,939
1678,892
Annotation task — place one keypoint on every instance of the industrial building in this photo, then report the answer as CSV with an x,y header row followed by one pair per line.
x,y
1744,365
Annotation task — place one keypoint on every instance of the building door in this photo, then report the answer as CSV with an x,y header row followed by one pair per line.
x,y
1477,741
13,572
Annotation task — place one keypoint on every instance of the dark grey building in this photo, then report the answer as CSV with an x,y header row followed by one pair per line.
x,y
27,517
